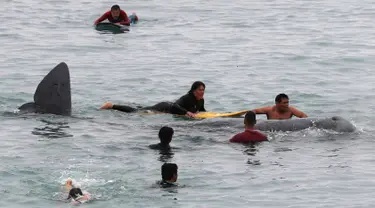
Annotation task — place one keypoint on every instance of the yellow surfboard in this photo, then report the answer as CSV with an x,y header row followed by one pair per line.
x,y
215,114
202,115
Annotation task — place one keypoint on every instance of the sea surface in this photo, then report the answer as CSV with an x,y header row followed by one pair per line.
x,y
320,53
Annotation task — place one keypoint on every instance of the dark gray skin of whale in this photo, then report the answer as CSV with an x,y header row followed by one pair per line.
x,y
52,94
335,123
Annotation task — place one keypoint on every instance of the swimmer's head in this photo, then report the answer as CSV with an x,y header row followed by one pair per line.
x,y
74,193
250,119
282,102
169,172
197,88
115,11
69,182
165,135
135,16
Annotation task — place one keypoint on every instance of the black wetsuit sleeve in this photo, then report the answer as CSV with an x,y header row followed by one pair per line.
x,y
202,109
124,108
177,109
181,106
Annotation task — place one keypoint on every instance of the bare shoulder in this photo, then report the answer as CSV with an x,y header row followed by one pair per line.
x,y
293,109
265,109
268,108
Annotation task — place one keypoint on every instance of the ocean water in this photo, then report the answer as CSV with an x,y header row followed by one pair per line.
x,y
320,53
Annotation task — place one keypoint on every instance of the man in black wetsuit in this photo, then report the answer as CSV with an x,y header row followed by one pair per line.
x,y
188,105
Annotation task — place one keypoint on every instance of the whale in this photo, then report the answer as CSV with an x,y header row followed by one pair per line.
x,y
336,123
53,94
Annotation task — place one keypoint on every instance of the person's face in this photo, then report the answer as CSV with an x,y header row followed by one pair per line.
x,y
283,105
68,182
115,13
199,93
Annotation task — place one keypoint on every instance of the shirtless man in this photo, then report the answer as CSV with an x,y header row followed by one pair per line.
x,y
281,109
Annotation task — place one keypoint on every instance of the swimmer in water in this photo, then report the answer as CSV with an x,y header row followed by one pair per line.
x,y
116,16
189,104
165,136
77,196
68,184
249,135
281,109
169,175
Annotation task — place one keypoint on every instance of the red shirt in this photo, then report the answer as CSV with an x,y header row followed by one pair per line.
x,y
249,135
122,19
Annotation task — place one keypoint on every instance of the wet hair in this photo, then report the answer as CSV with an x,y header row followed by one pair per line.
x,y
115,7
250,118
168,170
279,97
196,85
74,193
165,135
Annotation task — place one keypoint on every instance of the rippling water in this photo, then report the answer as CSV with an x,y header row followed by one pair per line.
x,y
318,52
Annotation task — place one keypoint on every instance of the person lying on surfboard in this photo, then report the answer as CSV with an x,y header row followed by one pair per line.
x,y
249,135
115,15
189,104
281,109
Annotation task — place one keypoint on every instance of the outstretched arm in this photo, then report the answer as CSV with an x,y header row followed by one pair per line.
x,y
263,110
126,19
180,106
102,18
297,113
177,109
123,108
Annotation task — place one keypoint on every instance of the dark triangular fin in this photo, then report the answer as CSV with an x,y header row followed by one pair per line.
x,y
53,93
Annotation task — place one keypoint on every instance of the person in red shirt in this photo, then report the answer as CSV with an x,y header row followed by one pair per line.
x,y
116,16
249,135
